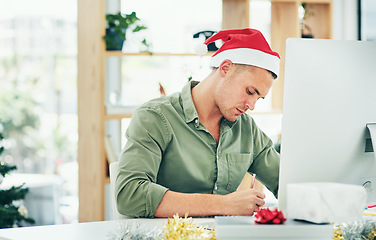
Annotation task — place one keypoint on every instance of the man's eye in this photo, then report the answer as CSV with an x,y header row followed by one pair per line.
x,y
249,92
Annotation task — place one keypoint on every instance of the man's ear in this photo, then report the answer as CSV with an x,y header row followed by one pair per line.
x,y
225,67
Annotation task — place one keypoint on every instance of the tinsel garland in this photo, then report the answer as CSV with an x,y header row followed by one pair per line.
x,y
177,228
357,230
184,229
134,231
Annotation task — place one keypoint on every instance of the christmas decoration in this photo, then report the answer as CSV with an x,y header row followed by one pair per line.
x,y
267,216
184,229
12,213
365,230
177,228
242,46
134,231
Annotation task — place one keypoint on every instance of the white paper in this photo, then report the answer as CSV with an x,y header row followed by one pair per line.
x,y
325,202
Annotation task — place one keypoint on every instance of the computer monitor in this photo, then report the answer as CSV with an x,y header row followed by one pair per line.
x,y
329,97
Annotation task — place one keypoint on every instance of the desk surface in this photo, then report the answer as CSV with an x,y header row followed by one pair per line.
x,y
106,230
83,231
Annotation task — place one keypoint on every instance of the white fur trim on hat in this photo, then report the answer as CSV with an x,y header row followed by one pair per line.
x,y
248,56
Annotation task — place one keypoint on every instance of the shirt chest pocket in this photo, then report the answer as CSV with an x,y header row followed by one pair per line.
x,y
237,166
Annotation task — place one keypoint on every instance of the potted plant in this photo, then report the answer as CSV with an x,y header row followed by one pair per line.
x,y
117,25
307,11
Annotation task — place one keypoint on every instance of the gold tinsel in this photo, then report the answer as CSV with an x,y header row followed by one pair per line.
x,y
338,233
373,234
183,229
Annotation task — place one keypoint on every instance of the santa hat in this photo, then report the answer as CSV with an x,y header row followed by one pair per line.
x,y
243,46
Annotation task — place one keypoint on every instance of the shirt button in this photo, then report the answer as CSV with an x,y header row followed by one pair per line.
x,y
216,187
196,123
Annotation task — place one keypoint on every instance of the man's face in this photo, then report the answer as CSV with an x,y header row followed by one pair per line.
x,y
240,88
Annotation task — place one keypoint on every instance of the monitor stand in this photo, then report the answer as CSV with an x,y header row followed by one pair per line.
x,y
371,148
372,131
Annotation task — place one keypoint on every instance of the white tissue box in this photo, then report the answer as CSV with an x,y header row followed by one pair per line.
x,y
325,202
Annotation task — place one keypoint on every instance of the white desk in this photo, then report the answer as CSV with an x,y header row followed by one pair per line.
x,y
83,231
104,230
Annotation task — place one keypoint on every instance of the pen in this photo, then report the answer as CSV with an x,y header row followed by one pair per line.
x,y
253,180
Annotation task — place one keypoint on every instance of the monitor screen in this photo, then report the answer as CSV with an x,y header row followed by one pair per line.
x,y
329,97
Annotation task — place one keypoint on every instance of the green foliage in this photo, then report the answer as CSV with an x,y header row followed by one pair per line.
x,y
117,25
1,146
4,169
14,193
308,11
18,111
20,120
11,214
24,94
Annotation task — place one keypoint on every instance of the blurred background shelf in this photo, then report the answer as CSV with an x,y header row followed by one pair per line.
x,y
124,54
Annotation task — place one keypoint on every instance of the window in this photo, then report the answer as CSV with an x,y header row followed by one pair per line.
x,y
172,23
38,96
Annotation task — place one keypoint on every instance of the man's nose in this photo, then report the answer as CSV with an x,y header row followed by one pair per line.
x,y
250,104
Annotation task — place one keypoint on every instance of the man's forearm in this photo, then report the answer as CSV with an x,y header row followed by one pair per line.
x,y
242,202
194,204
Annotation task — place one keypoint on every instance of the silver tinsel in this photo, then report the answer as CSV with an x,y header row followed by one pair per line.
x,y
358,230
135,231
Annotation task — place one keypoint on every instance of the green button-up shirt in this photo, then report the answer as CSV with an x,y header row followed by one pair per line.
x,y
169,149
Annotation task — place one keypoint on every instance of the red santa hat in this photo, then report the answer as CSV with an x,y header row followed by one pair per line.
x,y
243,46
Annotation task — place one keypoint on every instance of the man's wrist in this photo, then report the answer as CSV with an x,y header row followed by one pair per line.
x,y
219,205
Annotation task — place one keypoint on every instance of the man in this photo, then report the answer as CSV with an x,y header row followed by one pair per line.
x,y
188,152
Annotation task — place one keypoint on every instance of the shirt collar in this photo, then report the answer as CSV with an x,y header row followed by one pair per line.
x,y
187,102
190,110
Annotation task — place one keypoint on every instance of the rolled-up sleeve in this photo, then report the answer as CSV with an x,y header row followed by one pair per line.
x,y
265,161
136,191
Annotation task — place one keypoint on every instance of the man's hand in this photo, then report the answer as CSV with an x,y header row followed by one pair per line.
x,y
243,202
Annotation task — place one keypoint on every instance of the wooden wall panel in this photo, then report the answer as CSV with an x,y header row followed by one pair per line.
x,y
91,156
284,24
321,20
235,14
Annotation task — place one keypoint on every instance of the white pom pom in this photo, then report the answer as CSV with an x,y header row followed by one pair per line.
x,y
201,49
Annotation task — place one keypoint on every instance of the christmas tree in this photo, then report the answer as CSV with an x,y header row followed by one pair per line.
x,y
12,214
